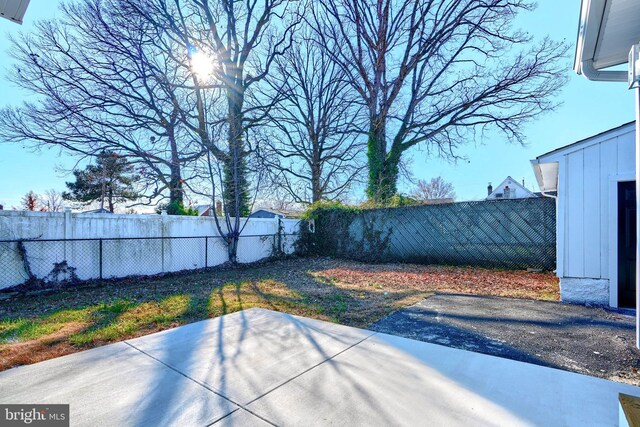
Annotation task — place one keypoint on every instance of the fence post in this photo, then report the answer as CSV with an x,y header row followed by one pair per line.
x,y
206,251
100,254
68,233
163,224
280,246
68,223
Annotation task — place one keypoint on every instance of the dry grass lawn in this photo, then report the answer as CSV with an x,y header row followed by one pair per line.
x,y
35,328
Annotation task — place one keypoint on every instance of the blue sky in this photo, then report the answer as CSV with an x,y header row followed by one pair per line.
x,y
588,108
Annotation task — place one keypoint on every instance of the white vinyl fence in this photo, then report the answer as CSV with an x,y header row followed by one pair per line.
x,y
59,246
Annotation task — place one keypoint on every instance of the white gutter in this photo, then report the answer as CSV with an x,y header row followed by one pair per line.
x,y
591,15
587,69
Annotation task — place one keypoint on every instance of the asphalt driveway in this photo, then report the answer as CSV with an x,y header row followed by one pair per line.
x,y
581,339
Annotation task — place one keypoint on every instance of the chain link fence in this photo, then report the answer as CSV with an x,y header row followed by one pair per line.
x,y
513,234
53,261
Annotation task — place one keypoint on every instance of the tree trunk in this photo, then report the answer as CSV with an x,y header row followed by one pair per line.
x,y
389,176
110,199
383,167
316,182
176,193
232,249
235,167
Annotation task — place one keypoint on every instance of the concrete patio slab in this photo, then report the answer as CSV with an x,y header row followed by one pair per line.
x,y
242,418
114,385
246,354
260,367
389,380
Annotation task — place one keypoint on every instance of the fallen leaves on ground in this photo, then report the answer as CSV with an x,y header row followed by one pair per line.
x,y
464,280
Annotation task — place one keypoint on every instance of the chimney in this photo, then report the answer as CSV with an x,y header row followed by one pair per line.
x,y
489,189
219,208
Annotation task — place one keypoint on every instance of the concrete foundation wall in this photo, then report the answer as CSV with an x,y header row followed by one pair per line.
x,y
121,258
584,291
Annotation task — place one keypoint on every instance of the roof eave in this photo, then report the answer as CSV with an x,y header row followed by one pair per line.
x,y
609,133
14,14
589,25
547,178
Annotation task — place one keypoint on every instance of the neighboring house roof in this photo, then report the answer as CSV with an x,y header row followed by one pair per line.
x,y
203,209
93,211
13,10
512,183
267,212
545,166
272,213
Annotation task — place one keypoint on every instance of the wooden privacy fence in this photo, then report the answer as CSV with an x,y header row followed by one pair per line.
x,y
514,234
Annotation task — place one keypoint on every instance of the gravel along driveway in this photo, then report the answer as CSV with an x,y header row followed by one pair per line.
x,y
586,340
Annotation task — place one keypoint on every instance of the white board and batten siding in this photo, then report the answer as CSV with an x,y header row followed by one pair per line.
x,y
588,176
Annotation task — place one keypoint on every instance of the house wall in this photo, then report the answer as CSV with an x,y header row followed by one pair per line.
x,y
121,258
515,191
587,215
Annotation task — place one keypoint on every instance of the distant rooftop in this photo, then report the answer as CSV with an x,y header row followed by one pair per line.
x,y
96,211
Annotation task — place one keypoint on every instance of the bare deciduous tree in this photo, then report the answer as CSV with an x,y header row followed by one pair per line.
x,y
237,43
316,153
52,201
231,46
103,81
276,198
438,74
436,189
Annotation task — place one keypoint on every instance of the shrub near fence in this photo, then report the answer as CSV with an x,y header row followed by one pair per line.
x,y
514,234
